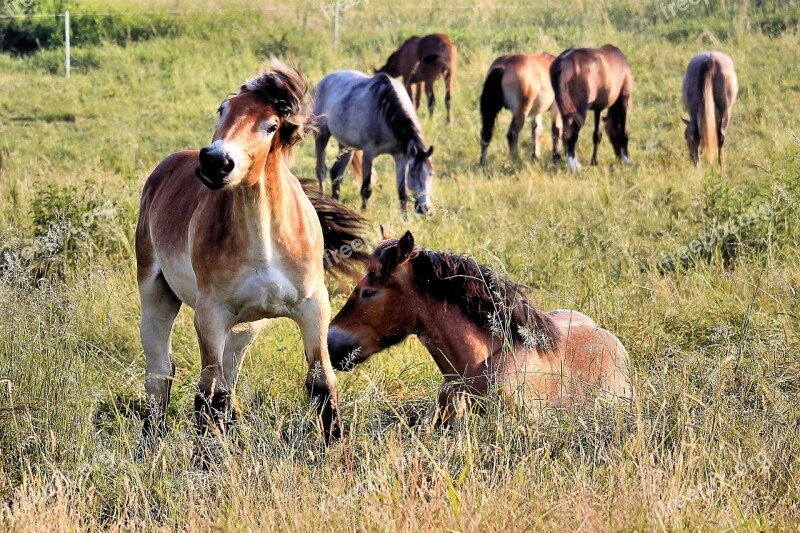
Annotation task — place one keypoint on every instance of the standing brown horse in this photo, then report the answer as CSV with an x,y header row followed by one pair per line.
x,y
481,330
593,79
520,83
709,91
231,232
421,60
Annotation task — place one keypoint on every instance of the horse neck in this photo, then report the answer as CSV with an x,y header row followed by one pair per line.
x,y
458,345
259,201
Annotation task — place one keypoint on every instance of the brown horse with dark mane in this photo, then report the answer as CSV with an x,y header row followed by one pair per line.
x,y
709,90
229,231
520,83
593,79
422,60
481,330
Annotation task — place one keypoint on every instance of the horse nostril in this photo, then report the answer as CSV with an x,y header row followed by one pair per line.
x,y
203,151
229,165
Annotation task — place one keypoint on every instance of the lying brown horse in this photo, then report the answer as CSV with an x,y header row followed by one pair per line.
x,y
422,60
483,333
593,79
520,83
709,91
231,232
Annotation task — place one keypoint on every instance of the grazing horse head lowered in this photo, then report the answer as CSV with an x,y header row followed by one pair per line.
x,y
709,91
482,331
593,79
229,231
373,115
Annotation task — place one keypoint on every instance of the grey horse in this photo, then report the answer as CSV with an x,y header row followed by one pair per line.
x,y
374,115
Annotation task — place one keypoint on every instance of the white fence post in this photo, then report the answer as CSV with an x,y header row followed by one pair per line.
x,y
336,26
66,43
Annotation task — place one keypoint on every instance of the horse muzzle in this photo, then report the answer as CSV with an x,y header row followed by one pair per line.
x,y
422,207
344,349
214,168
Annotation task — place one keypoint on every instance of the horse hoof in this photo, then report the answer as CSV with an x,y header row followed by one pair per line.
x,y
573,164
626,160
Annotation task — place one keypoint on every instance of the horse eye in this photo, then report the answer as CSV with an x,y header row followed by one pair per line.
x,y
367,293
272,128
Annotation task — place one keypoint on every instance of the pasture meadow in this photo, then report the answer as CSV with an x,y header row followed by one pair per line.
x,y
712,441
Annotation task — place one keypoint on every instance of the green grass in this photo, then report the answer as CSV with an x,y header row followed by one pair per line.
x,y
712,441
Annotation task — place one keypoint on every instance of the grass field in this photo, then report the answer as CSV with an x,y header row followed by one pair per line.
x,y
712,441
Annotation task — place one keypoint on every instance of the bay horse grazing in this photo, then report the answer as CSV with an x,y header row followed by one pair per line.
x,y
229,231
521,84
373,115
593,79
421,61
709,91
481,330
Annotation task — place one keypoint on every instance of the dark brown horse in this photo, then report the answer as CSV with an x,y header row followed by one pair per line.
x,y
481,330
520,83
229,231
422,60
593,79
709,91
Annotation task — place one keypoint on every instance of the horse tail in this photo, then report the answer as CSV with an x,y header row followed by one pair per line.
x,y
355,162
562,71
342,232
707,112
492,101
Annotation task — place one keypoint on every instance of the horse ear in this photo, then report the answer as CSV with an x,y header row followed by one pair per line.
x,y
685,120
430,151
404,247
385,235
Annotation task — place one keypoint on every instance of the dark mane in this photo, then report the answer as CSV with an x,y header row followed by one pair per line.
x,y
284,88
404,125
486,298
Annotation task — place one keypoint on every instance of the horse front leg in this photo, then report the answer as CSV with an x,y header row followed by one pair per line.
x,y
366,179
320,143
401,167
212,403
313,316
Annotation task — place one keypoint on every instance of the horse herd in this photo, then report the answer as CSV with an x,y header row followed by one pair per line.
x,y
229,231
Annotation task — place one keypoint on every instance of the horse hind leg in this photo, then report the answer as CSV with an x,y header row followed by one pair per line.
x,y
237,342
536,136
339,169
429,81
448,88
512,135
596,137
160,306
721,129
556,131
